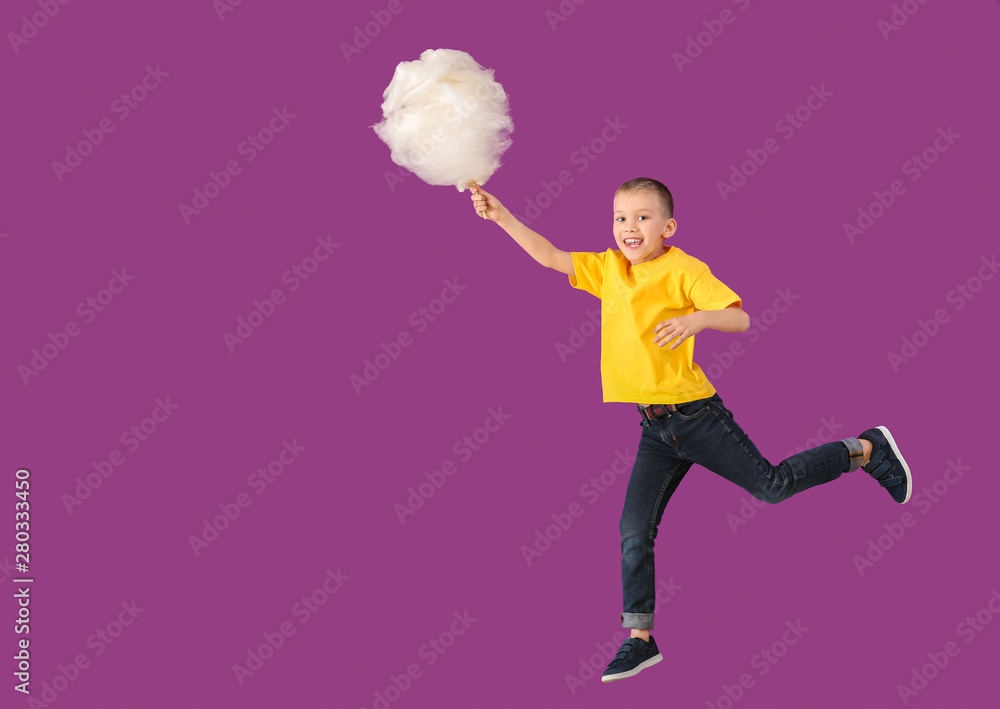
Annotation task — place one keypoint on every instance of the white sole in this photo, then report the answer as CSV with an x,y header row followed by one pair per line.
x,y
902,461
638,668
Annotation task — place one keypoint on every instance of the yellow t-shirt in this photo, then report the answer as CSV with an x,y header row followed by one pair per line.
x,y
634,299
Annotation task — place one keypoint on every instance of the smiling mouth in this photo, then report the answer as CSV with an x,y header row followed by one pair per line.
x,y
632,243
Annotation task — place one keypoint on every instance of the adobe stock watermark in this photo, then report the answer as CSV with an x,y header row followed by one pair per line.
x,y
900,15
132,438
293,277
122,107
421,319
581,158
926,330
591,491
787,126
464,448
430,652
914,168
763,661
364,34
759,324
562,12
30,26
258,481
99,641
304,609
6,570
223,7
88,309
749,505
592,666
923,673
697,44
250,148
578,335
924,499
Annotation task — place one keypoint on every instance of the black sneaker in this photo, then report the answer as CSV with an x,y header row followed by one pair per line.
x,y
633,657
887,465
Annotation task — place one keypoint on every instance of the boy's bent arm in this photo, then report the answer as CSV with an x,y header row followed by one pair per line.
x,y
731,319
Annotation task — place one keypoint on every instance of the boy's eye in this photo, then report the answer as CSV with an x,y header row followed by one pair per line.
x,y
643,217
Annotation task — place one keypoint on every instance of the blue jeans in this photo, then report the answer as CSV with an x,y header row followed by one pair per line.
x,y
704,432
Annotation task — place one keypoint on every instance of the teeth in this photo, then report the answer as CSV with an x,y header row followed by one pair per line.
x,y
633,241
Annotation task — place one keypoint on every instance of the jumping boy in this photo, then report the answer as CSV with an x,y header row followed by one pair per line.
x,y
653,295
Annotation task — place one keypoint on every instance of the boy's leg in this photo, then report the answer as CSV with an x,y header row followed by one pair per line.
x,y
713,439
656,473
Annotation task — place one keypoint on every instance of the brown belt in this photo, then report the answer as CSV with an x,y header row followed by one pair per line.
x,y
655,411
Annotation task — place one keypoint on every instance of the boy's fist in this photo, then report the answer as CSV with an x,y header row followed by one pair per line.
x,y
487,206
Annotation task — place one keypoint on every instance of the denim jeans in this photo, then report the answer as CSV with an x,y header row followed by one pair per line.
x,y
705,432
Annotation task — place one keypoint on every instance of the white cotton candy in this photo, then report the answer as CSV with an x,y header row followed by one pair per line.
x,y
445,119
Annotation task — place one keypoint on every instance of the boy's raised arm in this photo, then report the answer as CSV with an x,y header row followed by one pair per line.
x,y
537,246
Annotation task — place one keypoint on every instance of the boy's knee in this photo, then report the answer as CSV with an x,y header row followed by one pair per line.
x,y
772,495
629,529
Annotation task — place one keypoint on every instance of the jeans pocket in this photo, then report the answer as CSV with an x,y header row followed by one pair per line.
x,y
691,415
726,418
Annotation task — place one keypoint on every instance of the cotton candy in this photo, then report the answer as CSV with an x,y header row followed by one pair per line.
x,y
446,119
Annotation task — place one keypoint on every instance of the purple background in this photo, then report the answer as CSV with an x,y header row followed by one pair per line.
x,y
325,175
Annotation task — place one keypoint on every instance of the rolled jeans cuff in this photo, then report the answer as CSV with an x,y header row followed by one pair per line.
x,y
855,451
637,621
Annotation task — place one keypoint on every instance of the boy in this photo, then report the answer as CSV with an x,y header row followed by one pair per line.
x,y
653,295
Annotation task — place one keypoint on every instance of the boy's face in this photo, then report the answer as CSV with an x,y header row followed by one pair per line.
x,y
641,226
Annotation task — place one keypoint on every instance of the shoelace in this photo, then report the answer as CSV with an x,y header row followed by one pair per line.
x,y
880,468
